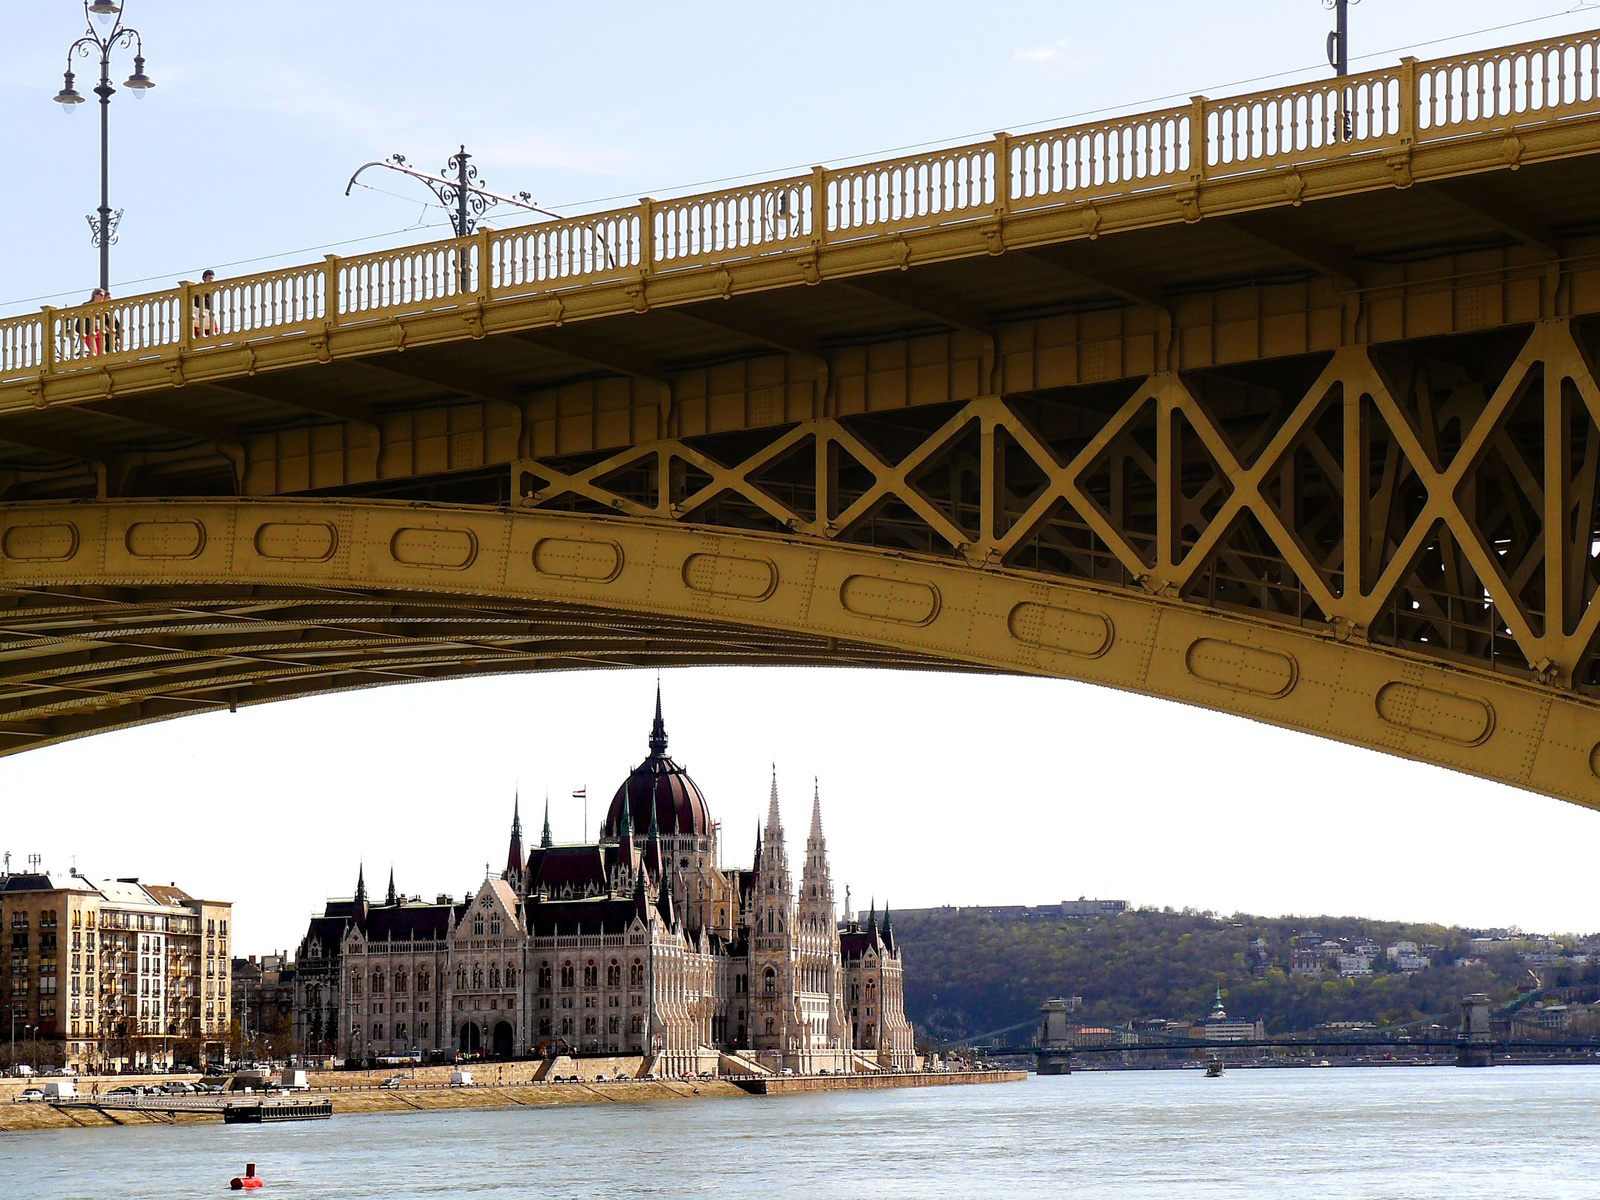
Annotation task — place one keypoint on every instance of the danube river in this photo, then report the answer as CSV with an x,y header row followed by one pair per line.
x,y
1172,1135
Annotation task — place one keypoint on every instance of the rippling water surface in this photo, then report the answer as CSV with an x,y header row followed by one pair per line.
x,y
1403,1133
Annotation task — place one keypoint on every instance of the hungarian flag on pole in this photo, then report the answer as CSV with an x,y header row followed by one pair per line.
x,y
580,793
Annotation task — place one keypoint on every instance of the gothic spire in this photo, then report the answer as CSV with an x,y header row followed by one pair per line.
x,y
361,884
515,860
544,838
658,731
391,898
816,811
774,821
757,866
888,928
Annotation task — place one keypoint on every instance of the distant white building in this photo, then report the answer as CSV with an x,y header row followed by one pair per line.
x,y
1220,1027
1407,958
1352,965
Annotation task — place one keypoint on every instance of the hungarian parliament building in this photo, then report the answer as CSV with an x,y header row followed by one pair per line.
x,y
636,944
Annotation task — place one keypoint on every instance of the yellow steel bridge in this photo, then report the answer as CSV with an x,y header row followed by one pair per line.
x,y
1283,405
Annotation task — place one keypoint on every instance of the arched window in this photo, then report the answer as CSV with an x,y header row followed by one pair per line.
x,y
545,975
566,974
400,981
511,976
377,1032
424,1031
769,920
494,976
422,980
400,1031
614,974
355,983
477,924
770,1026
377,982
770,983
591,974
461,979
477,977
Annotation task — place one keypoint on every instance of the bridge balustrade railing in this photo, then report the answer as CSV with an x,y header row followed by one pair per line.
x,y
1487,88
274,301
1333,119
731,224
571,250
1387,110
908,193
411,279
1085,161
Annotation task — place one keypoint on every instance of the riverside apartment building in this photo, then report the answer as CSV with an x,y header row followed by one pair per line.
x,y
113,975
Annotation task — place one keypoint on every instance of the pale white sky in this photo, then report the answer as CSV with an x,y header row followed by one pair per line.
x,y
937,788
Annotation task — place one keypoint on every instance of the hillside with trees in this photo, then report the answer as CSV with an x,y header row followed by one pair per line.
x,y
970,972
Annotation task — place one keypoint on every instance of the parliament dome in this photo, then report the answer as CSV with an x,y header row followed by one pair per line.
x,y
661,786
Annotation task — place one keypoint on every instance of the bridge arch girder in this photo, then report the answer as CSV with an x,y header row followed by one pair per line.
x,y
117,613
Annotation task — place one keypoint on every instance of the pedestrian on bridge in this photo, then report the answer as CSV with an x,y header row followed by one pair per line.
x,y
100,332
204,316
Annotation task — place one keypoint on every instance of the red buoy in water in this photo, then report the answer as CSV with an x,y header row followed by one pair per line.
x,y
249,1180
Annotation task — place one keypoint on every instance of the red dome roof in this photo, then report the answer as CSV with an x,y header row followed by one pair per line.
x,y
660,785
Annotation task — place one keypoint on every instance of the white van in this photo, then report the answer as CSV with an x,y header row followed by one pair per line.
x,y
460,1078
61,1089
294,1081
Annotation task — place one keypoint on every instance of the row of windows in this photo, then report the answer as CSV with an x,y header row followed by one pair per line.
x,y
591,1025
591,974
401,1031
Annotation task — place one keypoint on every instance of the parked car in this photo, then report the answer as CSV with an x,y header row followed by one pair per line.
x,y
129,1089
392,1082
209,1089
178,1088
30,1095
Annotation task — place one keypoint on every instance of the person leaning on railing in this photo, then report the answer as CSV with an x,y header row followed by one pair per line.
x,y
98,333
203,313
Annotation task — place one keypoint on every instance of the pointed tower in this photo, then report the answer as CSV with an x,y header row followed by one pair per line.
x,y
658,728
816,880
544,838
361,887
817,953
888,929
653,860
516,861
391,897
772,940
627,852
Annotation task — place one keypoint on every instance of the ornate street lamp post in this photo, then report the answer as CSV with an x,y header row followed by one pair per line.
x,y
108,13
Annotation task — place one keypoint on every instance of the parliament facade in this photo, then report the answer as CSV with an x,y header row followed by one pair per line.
x,y
636,944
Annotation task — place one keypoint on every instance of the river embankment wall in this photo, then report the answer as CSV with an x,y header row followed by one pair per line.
x,y
428,1095
789,1085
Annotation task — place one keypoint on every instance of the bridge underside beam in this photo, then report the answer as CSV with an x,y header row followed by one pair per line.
x,y
122,612
80,660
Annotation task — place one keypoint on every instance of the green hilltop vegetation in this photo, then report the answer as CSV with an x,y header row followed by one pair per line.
x,y
972,971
